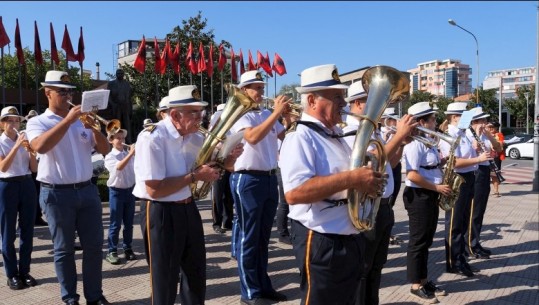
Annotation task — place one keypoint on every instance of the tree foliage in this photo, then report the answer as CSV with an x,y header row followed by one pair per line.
x,y
517,106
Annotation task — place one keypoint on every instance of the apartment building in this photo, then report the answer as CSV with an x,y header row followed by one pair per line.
x,y
449,78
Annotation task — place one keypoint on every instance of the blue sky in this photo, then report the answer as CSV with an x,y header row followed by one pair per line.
x,y
348,34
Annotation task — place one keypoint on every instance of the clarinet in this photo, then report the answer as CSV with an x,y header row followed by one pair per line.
x,y
493,166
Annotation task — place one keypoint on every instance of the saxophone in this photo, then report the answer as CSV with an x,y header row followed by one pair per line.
x,y
452,179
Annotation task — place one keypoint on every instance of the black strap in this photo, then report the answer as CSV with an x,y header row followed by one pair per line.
x,y
320,130
335,203
430,167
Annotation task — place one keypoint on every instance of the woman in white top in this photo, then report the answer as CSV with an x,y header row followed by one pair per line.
x,y
17,199
423,185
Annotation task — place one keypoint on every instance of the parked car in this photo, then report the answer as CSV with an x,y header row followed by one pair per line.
x,y
520,150
517,138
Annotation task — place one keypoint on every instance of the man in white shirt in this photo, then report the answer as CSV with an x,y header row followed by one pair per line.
x,y
68,198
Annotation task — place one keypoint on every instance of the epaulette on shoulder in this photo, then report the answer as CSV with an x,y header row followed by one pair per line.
x,y
150,128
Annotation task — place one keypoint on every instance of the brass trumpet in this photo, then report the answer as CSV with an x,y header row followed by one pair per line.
x,y
295,109
436,136
95,121
25,143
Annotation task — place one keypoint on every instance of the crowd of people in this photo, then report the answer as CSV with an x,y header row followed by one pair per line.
x,y
308,193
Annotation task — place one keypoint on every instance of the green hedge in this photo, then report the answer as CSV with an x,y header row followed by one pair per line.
x,y
102,187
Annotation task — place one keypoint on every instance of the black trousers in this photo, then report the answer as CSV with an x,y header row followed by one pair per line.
x,y
222,202
175,240
479,206
423,214
329,265
282,210
397,180
456,221
375,245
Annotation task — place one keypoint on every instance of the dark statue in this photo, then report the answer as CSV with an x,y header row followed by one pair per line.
x,y
120,101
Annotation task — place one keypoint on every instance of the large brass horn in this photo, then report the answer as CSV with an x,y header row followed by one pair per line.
x,y
384,85
236,106
95,121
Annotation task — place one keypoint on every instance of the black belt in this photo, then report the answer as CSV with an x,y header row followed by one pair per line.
x,y
430,167
258,173
184,201
73,186
15,178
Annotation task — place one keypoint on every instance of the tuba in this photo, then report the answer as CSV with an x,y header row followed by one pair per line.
x,y
452,179
384,85
236,106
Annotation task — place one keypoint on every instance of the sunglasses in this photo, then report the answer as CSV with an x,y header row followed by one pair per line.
x,y
63,92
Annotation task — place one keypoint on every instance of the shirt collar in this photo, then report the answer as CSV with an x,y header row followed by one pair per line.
x,y
169,127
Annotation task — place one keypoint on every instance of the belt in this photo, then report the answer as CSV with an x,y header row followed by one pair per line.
x,y
73,186
430,167
258,173
184,201
15,178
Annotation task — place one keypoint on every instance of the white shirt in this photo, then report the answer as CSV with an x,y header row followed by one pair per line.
x,y
214,118
124,178
417,154
21,162
309,154
263,155
69,161
486,142
353,126
164,153
464,150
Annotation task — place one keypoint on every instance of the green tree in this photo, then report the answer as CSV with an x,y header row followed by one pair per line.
x,y
517,106
488,101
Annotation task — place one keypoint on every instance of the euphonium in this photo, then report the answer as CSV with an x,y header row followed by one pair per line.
x,y
385,86
452,179
95,121
236,106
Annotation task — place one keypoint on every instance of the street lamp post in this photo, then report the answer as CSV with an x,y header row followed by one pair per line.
x,y
527,95
452,22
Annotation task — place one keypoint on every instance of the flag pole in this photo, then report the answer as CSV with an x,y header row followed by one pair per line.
x,y
37,95
20,90
211,93
3,78
275,86
201,87
222,87
81,78
156,93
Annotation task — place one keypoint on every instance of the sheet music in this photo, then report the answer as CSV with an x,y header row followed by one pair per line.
x,y
466,119
95,100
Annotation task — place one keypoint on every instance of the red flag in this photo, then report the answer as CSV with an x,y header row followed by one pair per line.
x,y
233,71
278,65
170,53
267,60
201,60
37,46
190,60
222,59
4,38
165,57
209,68
54,50
80,53
18,45
176,59
140,61
262,63
242,65
156,53
252,65
68,47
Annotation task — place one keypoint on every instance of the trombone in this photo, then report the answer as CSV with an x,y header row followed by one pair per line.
x,y
95,121
295,109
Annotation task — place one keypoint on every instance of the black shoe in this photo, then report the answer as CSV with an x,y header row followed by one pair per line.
x,y
15,283
255,301
274,296
129,255
28,280
285,239
40,223
487,251
470,267
424,295
101,301
481,254
218,230
72,303
462,270
430,286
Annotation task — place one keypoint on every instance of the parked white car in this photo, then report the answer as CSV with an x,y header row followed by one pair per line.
x,y
520,150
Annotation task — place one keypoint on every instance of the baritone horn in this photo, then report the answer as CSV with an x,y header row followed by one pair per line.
x,y
294,109
95,121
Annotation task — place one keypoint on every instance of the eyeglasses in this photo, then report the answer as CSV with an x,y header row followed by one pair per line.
x,y
193,113
63,92
12,121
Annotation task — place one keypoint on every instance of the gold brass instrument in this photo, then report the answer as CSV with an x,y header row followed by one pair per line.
x,y
295,109
236,106
452,179
25,143
95,121
436,136
384,85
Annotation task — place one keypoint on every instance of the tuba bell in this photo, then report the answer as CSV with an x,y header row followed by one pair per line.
x,y
384,85
236,106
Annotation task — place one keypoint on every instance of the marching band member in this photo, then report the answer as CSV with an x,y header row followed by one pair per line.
x,y
482,183
423,185
163,174
68,198
315,179
456,218
376,242
17,200
254,189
